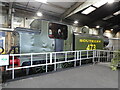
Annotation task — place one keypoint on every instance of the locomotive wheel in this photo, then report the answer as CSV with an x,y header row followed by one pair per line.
x,y
77,63
1,50
39,69
71,64
65,65
27,70
50,68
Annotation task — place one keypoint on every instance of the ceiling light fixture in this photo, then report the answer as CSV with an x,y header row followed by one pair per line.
x,y
17,23
42,1
100,3
97,26
76,22
108,17
116,13
39,14
110,1
88,10
111,29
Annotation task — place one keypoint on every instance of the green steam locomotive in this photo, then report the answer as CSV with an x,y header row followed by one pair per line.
x,y
47,36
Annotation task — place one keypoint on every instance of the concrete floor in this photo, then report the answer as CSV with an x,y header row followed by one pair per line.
x,y
88,76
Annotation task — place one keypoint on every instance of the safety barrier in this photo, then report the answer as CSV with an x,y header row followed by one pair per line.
x,y
54,58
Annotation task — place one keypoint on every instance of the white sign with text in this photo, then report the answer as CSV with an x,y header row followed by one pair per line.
x,y
4,60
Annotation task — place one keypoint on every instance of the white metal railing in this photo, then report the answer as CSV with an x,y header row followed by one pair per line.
x,y
67,56
6,29
104,55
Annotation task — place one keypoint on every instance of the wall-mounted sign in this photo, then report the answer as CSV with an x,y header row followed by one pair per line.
x,y
4,60
2,44
2,34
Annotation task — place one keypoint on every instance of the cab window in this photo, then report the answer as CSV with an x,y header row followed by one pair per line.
x,y
57,31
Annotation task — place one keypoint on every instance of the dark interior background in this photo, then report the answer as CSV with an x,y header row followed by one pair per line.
x,y
97,17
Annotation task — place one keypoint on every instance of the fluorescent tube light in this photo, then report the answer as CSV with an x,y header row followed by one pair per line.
x,y
110,1
88,10
42,1
116,13
100,3
108,17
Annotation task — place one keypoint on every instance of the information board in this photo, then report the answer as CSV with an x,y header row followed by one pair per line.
x,y
4,60
2,44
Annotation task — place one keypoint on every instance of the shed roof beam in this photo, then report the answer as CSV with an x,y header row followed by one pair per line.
x,y
69,11
10,15
56,6
78,7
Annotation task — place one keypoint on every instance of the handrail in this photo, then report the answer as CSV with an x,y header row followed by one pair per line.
x,y
76,56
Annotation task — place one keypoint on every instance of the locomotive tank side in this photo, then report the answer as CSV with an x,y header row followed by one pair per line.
x,y
87,42
34,41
